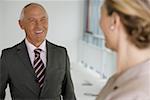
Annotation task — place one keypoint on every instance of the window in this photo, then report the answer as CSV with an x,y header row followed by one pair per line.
x,y
93,34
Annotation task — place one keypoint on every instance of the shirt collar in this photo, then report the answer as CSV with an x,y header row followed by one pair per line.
x,y
31,47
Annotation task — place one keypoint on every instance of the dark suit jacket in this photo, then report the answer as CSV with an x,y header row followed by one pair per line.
x,y
17,71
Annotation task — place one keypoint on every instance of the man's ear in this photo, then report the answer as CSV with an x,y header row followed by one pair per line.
x,y
20,24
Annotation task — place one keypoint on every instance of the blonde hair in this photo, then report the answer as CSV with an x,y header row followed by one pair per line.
x,y
135,16
30,4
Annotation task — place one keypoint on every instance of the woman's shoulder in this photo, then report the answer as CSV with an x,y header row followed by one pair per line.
x,y
129,96
136,89
133,84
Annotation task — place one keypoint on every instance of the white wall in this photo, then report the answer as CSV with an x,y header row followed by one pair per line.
x,y
0,24
64,23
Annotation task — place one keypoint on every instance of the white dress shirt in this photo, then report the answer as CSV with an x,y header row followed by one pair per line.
x,y
31,48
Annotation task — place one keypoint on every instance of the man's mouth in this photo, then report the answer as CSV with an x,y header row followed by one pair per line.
x,y
39,32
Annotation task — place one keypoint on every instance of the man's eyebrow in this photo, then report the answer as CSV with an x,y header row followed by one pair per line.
x,y
44,17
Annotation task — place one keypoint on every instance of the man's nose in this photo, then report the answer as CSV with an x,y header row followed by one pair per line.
x,y
38,23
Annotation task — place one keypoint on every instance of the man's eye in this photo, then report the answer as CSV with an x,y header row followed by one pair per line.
x,y
31,20
43,19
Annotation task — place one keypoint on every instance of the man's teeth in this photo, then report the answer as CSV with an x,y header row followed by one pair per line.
x,y
38,32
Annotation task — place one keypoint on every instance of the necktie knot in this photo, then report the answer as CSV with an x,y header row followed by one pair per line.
x,y
37,52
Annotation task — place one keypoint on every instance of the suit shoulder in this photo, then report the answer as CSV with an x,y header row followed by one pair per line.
x,y
10,49
55,46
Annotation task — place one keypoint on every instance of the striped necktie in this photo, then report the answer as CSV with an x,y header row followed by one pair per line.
x,y
39,67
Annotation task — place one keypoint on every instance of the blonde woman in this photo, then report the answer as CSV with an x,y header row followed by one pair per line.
x,y
126,26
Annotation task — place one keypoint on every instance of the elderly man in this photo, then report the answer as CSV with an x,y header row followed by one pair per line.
x,y
35,69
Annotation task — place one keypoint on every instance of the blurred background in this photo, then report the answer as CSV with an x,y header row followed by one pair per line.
x,y
73,24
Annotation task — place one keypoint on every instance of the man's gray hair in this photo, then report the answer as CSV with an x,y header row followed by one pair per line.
x,y
30,4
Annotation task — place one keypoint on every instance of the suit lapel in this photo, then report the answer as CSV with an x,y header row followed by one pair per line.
x,y
23,54
49,57
24,57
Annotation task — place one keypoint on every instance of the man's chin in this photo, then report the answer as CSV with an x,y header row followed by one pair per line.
x,y
40,40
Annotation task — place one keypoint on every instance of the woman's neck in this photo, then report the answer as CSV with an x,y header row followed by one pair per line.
x,y
129,56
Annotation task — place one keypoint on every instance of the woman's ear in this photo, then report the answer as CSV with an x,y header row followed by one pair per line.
x,y
115,28
114,21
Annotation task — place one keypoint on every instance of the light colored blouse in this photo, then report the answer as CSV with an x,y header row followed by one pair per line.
x,y
132,84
